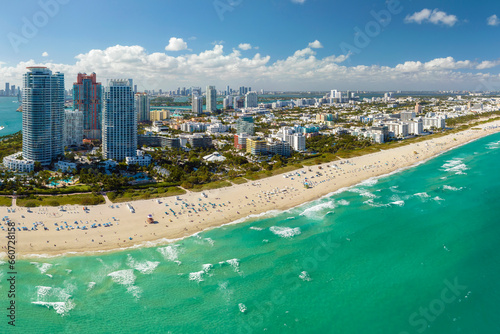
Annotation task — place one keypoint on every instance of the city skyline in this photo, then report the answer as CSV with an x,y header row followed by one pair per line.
x,y
302,45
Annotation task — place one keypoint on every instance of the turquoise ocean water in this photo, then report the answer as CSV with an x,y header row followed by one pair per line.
x,y
9,118
414,252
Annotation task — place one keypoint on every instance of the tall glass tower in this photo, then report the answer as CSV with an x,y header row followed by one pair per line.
x,y
43,114
119,121
87,98
211,98
142,107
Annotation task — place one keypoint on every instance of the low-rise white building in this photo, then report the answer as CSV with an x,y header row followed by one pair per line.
x,y
193,127
217,127
141,159
214,157
15,162
65,166
435,121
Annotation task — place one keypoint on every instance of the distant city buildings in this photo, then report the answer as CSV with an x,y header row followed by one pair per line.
x,y
211,99
87,97
142,107
251,100
158,115
244,90
227,103
193,127
245,124
197,102
119,132
10,90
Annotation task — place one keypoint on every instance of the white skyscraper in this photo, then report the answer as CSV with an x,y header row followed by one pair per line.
x,y
211,98
73,127
119,121
228,102
197,103
43,113
251,100
142,107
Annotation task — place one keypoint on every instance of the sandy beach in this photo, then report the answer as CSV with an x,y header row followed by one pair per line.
x,y
48,231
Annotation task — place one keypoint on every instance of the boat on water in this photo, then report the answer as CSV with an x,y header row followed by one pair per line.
x,y
2,127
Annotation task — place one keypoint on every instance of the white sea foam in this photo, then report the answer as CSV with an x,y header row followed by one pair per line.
x,y
446,187
43,290
422,195
343,202
134,291
398,203
305,276
56,298
207,267
90,286
437,199
370,182
145,267
395,189
493,145
456,166
60,307
395,198
242,307
170,253
285,232
370,202
123,277
363,192
312,211
197,276
368,194
255,228
43,267
210,241
235,263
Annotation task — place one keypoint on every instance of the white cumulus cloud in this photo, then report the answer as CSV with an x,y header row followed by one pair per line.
x,y
493,21
176,44
299,1
435,16
245,46
302,70
315,45
45,54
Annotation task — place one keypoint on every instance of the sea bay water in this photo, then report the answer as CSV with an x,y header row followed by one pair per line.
x,y
414,252
10,119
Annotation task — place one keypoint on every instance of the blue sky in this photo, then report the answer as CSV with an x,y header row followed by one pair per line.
x,y
269,44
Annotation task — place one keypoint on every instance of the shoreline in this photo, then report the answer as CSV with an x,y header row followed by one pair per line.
x,y
195,213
